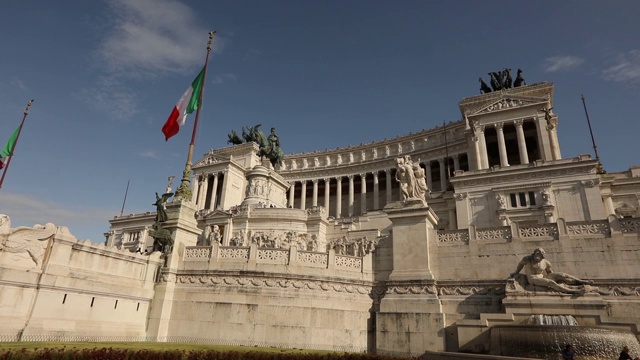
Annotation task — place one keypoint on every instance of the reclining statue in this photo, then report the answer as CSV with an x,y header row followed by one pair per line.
x,y
537,271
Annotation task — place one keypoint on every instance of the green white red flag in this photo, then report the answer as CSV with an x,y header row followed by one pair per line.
x,y
7,150
189,102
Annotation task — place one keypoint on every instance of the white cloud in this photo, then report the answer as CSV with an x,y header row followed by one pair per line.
x,y
19,84
149,154
151,36
219,79
626,68
112,97
562,63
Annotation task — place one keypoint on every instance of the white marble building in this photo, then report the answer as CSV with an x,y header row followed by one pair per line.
x,y
324,253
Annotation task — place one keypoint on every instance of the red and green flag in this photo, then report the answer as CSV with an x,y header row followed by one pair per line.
x,y
7,150
189,102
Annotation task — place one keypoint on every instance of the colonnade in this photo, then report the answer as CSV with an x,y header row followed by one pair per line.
x,y
200,189
543,142
372,194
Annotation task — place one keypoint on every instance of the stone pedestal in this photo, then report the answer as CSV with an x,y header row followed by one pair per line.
x,y
184,229
410,319
413,227
182,223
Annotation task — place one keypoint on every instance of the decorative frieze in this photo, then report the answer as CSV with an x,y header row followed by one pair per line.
x,y
500,233
589,228
539,231
271,282
197,252
453,236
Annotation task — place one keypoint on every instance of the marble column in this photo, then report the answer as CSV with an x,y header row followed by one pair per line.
x,y
214,192
502,147
202,195
456,162
389,194
553,139
522,145
452,219
363,193
443,174
609,205
303,195
327,193
427,171
314,199
482,144
338,197
376,191
292,190
476,153
351,195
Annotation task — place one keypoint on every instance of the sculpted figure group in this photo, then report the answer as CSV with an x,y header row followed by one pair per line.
x,y
537,271
501,80
269,145
411,177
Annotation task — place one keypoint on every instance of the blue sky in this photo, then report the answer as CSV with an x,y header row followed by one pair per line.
x,y
106,74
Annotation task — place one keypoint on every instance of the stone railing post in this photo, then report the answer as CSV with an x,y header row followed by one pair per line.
x,y
515,231
367,263
214,256
331,260
293,255
472,233
253,257
614,224
562,229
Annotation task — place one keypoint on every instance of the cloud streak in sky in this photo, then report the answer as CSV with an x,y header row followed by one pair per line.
x,y
25,210
562,63
111,97
626,68
151,36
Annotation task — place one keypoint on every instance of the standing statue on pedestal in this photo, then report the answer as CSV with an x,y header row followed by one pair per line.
x,y
421,181
537,271
411,178
163,241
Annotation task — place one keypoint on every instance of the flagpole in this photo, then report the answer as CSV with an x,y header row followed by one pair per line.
x,y
600,169
125,197
24,117
184,190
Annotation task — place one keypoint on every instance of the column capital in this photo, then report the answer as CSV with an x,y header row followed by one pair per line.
x,y
327,180
363,175
314,181
375,174
499,126
350,177
519,122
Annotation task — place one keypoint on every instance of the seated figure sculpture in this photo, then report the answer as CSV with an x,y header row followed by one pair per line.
x,y
538,273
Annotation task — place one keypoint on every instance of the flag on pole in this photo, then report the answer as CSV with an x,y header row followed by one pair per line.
x,y
8,147
189,102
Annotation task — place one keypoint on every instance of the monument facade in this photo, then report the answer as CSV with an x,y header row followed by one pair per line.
x,y
401,245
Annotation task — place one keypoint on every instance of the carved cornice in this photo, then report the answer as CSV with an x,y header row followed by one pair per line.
x,y
538,91
518,174
281,283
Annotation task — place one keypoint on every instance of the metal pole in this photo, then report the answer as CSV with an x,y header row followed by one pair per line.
x,y
26,112
593,140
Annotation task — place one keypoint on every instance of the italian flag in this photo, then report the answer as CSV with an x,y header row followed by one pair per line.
x,y
8,147
188,102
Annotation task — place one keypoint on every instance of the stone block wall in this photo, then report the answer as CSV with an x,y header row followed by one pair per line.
x,y
80,289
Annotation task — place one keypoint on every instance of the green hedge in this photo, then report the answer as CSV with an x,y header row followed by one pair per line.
x,y
125,354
